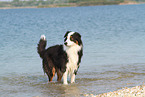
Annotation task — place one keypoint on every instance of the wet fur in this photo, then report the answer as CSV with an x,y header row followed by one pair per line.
x,y
62,59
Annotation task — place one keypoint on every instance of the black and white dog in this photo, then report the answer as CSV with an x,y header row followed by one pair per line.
x,y
62,59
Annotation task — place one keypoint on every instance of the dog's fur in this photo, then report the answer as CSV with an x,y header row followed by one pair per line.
x,y
62,59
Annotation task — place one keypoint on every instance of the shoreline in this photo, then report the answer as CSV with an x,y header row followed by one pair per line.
x,y
16,7
129,3
68,5
137,91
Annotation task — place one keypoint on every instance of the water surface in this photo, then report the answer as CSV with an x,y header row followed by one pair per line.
x,y
114,54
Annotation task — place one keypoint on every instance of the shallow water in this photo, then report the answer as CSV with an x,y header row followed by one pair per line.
x,y
113,38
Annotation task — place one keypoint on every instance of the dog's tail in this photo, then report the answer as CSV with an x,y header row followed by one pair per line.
x,y
41,46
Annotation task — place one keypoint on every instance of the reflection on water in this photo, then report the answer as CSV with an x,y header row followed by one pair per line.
x,y
60,90
38,85
89,82
114,49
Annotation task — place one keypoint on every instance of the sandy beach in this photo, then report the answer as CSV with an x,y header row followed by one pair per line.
x,y
138,91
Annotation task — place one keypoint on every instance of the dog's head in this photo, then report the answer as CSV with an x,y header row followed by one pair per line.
x,y
72,38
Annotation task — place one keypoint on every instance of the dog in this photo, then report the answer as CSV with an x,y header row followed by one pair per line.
x,y
62,59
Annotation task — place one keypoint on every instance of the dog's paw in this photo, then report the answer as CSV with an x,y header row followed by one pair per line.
x,y
65,83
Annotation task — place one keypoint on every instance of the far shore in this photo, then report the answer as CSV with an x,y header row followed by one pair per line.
x,y
67,5
17,7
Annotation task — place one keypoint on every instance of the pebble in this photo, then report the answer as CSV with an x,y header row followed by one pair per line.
x,y
138,91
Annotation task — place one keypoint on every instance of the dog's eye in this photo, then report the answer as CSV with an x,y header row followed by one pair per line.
x,y
71,37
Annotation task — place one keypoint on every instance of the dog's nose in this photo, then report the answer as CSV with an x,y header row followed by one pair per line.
x,y
65,43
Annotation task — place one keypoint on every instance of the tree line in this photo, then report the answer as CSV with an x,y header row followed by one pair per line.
x,y
51,3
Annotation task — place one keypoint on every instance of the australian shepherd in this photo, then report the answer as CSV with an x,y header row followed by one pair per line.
x,y
62,59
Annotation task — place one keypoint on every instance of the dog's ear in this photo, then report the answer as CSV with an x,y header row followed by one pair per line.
x,y
77,38
66,33
78,35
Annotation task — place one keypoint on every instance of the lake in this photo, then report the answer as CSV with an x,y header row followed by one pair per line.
x,y
114,49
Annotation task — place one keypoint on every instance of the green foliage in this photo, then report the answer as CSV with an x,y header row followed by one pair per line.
x,y
60,3
98,2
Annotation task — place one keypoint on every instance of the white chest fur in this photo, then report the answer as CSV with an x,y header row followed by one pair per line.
x,y
72,53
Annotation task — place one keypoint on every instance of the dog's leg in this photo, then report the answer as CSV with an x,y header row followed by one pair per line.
x,y
73,78
59,75
65,77
50,78
51,75
50,68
